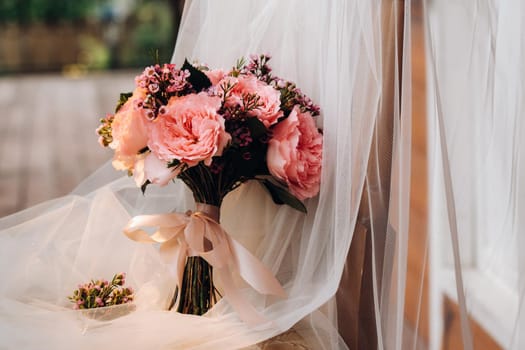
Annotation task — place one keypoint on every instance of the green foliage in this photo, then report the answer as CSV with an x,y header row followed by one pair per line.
x,y
144,186
257,128
25,11
198,80
150,27
282,196
143,150
123,98
93,52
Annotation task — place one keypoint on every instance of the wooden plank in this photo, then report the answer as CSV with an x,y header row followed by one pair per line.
x,y
9,159
47,140
452,339
349,292
15,143
376,200
417,288
41,157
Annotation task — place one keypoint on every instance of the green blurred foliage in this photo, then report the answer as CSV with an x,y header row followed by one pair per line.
x,y
94,34
151,28
46,11
93,53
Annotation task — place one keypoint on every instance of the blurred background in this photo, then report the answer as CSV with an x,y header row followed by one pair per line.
x,y
63,64
84,35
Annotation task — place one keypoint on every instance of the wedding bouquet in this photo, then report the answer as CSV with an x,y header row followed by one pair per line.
x,y
214,130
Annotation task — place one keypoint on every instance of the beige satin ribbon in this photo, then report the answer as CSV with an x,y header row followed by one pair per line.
x,y
183,235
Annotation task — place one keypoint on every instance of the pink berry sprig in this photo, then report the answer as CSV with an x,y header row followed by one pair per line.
x,y
102,293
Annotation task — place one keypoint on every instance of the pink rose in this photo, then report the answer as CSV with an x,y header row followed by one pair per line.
x,y
129,132
295,154
269,110
155,170
190,130
215,75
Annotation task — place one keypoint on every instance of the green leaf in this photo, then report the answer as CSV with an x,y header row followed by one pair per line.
x,y
257,128
197,79
282,196
144,185
154,53
123,98
143,150
173,163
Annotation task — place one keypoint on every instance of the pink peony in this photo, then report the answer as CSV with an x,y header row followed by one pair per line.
x,y
269,110
191,130
129,131
215,75
295,154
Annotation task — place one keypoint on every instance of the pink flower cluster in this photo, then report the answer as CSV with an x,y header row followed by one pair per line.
x,y
242,118
159,83
102,293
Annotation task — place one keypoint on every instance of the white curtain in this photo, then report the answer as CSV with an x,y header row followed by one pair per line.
x,y
477,129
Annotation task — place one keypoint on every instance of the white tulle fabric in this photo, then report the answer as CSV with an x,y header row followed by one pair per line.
x,y
477,74
332,50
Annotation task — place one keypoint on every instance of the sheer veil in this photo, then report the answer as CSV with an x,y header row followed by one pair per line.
x,y
477,133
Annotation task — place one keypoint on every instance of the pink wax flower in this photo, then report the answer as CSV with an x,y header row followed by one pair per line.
x,y
191,130
295,154
129,132
269,109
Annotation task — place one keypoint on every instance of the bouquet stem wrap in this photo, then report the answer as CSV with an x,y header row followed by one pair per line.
x,y
199,234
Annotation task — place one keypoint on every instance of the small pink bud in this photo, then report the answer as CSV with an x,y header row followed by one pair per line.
x,y
149,71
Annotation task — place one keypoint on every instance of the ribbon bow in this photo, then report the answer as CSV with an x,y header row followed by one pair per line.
x,y
183,235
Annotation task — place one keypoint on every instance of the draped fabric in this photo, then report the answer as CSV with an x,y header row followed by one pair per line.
x,y
477,132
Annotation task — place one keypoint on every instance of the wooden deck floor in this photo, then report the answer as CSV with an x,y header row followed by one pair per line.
x,y
47,135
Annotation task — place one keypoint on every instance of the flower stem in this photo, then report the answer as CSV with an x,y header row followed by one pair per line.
x,y
198,293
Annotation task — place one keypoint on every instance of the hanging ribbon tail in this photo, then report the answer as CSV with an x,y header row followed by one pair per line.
x,y
246,311
227,255
227,250
254,272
